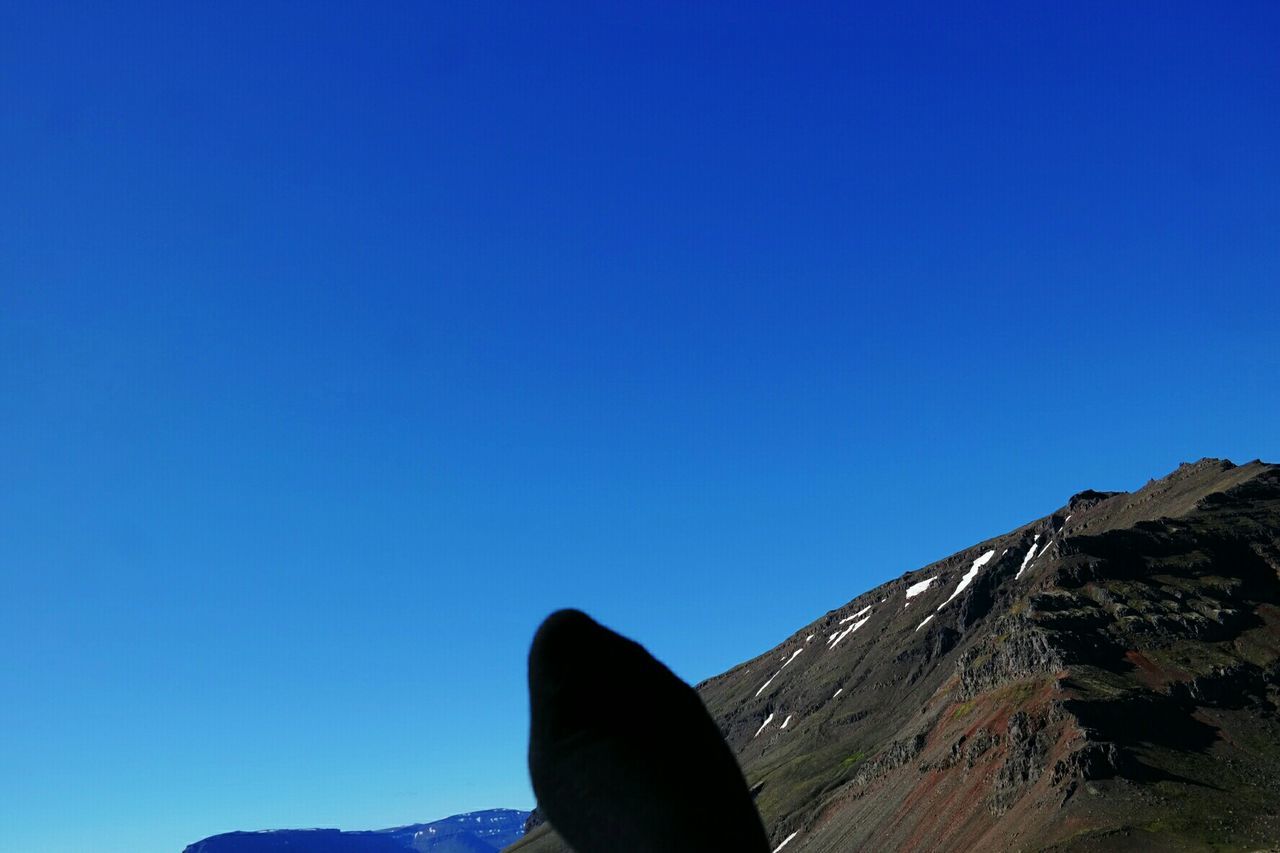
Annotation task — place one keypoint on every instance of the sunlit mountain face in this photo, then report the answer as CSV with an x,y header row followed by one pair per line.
x,y
1105,677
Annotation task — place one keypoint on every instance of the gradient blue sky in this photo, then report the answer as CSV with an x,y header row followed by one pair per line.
x,y
339,343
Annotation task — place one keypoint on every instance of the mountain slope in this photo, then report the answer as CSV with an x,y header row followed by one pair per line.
x,y
474,832
1105,677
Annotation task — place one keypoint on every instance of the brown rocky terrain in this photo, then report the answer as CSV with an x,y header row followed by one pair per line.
x,y
1104,678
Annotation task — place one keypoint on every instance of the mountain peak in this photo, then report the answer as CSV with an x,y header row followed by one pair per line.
x,y
1208,462
1089,498
1104,677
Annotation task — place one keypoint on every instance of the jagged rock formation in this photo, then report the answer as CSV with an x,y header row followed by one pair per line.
x,y
1104,678
473,832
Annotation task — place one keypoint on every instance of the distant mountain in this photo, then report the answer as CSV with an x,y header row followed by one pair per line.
x,y
1106,677
474,832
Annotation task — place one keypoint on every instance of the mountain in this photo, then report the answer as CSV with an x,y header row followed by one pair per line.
x,y
474,832
1103,678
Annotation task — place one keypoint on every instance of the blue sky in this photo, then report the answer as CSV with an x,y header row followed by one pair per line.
x,y
339,345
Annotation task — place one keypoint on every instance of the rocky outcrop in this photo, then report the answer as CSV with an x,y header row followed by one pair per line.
x,y
1018,649
1092,760
894,756
1026,747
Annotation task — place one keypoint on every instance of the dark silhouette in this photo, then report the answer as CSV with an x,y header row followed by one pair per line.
x,y
622,753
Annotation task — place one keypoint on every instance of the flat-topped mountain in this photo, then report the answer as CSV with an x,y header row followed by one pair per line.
x,y
1106,677
474,832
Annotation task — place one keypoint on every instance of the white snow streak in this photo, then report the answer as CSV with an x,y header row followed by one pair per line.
x,y
787,720
779,672
786,841
766,722
847,631
1031,555
808,638
839,690
969,576
856,615
917,588
925,622
767,683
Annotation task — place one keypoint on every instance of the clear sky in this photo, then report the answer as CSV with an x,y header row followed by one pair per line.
x,y
340,343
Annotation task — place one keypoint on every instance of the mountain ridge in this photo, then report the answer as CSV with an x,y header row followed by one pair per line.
x,y
470,832
1102,676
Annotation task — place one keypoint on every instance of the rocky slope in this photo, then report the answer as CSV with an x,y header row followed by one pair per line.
x,y
474,832
1104,678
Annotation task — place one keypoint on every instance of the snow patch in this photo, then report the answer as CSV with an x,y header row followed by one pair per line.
x,y
847,631
787,720
917,588
969,576
925,622
1031,555
767,683
839,690
856,615
767,721
786,841
779,672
